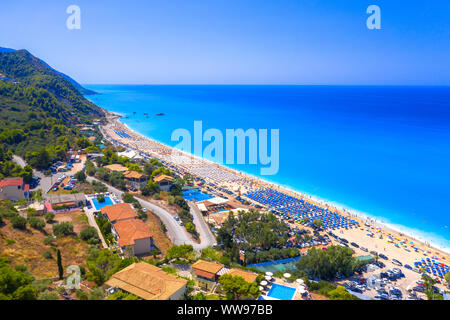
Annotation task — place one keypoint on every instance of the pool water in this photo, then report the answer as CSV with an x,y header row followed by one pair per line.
x,y
99,205
281,292
195,195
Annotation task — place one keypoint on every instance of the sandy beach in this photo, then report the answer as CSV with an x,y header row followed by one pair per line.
x,y
382,239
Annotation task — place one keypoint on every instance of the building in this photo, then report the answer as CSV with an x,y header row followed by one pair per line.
x,y
119,212
135,179
133,236
247,275
206,273
14,189
149,282
164,182
214,205
116,167
73,200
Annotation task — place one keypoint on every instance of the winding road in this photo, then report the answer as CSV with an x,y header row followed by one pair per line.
x,y
177,233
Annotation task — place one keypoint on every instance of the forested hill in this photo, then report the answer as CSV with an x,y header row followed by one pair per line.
x,y
39,108
27,70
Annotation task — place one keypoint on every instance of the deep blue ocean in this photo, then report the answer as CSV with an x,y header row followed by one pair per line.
x,y
382,151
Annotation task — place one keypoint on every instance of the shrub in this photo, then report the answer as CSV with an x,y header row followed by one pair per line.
x,y
63,229
36,223
101,198
48,240
48,295
19,222
89,233
80,176
97,294
49,216
142,215
81,295
47,255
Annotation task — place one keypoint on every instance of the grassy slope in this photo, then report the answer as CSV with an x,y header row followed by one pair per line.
x,y
28,247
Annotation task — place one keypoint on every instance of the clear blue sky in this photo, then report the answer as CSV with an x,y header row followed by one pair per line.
x,y
236,41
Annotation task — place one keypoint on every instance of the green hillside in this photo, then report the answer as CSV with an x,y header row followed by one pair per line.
x,y
39,109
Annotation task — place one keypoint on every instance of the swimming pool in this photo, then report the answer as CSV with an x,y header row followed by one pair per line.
x,y
99,205
195,195
281,292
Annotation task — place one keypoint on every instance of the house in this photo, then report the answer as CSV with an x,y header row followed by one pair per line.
x,y
14,189
148,282
206,273
247,275
133,236
119,212
116,167
135,179
73,200
165,182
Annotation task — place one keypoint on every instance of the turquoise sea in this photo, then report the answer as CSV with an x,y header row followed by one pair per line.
x,y
381,151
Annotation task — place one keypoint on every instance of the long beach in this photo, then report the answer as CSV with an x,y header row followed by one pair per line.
x,y
243,182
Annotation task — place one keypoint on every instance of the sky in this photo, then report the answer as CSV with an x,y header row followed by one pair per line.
x,y
322,42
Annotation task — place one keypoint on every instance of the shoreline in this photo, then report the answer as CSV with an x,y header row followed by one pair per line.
x,y
361,217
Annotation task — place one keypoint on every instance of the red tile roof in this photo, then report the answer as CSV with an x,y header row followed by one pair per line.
x,y
131,230
26,187
11,182
119,211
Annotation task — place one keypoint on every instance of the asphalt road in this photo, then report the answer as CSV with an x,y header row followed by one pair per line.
x,y
177,233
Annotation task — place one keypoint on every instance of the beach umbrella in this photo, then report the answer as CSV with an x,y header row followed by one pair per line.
x,y
268,273
261,288
263,283
299,281
268,278
287,275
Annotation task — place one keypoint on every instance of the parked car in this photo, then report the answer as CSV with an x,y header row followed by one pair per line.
x,y
383,256
396,262
407,266
364,249
354,244
374,253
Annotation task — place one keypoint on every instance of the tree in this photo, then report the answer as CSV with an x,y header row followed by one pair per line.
x,y
317,223
190,227
90,234
36,223
90,169
447,278
120,295
19,222
59,262
49,216
340,293
101,198
25,293
182,251
15,283
327,264
80,176
102,264
48,295
63,229
237,288
83,143
81,295
97,294
199,296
